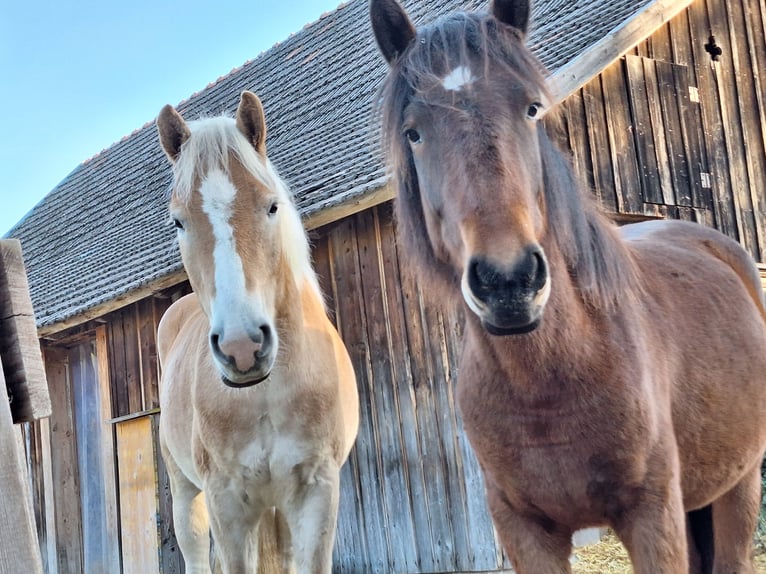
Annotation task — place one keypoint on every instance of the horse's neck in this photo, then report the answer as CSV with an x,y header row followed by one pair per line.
x,y
300,310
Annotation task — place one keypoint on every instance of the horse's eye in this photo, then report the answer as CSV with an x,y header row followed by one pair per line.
x,y
413,136
178,223
273,209
533,111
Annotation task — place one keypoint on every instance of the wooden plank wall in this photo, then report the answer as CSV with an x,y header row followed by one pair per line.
x,y
133,366
644,141
412,496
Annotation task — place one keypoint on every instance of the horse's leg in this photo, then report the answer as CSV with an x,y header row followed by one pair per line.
x,y
534,546
190,521
735,515
311,516
654,529
284,542
232,522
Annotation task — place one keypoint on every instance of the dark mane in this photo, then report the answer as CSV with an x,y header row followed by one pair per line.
x,y
597,260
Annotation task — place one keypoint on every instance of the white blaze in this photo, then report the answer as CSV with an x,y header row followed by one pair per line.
x,y
457,79
218,194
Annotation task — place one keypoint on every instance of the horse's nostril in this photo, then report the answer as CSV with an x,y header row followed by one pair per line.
x,y
214,341
482,276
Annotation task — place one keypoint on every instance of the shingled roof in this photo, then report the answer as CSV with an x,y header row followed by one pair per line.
x,y
103,233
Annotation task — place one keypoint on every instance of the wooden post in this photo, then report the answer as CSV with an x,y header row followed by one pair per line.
x,y
19,346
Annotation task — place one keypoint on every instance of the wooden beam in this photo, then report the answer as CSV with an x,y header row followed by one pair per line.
x,y
615,44
19,347
336,213
118,302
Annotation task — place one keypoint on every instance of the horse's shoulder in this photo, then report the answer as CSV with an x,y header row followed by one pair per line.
x,y
173,320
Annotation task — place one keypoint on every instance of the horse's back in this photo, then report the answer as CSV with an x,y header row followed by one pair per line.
x,y
703,307
708,244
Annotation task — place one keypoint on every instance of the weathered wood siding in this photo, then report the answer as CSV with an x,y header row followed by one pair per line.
x,y
413,497
667,132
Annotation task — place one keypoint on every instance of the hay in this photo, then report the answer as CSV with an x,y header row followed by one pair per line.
x,y
606,557
609,557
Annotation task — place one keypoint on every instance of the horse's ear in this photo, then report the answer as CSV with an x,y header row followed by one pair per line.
x,y
251,121
392,28
512,12
173,131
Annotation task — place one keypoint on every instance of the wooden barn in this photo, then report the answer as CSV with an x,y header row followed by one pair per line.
x,y
663,113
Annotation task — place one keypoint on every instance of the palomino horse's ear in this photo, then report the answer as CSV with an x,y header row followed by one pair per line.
x,y
512,12
251,121
173,131
392,28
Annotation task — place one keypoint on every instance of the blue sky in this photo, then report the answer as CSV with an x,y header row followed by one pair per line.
x,y
78,75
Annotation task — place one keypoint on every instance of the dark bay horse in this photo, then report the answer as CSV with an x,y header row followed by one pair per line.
x,y
608,376
258,394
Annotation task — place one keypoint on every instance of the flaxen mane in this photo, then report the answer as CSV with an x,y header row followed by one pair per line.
x,y
605,271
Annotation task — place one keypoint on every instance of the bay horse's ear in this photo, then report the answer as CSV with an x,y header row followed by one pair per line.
x,y
251,121
512,12
173,131
392,28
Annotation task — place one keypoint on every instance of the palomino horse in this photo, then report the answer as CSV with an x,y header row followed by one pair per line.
x,y
259,401
608,376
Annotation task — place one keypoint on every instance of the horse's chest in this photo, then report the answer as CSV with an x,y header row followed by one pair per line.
x,y
562,462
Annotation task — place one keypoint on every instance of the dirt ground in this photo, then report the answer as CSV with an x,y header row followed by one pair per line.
x,y
609,557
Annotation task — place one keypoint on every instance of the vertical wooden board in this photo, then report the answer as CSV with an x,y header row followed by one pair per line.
x,y
391,460
147,350
691,118
582,162
171,561
402,391
714,147
660,45
659,132
320,254
621,144
48,544
132,361
88,433
448,429
65,479
751,110
643,130
350,319
108,452
138,496
674,130
350,544
35,463
595,114
117,366
161,304
731,121
407,352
